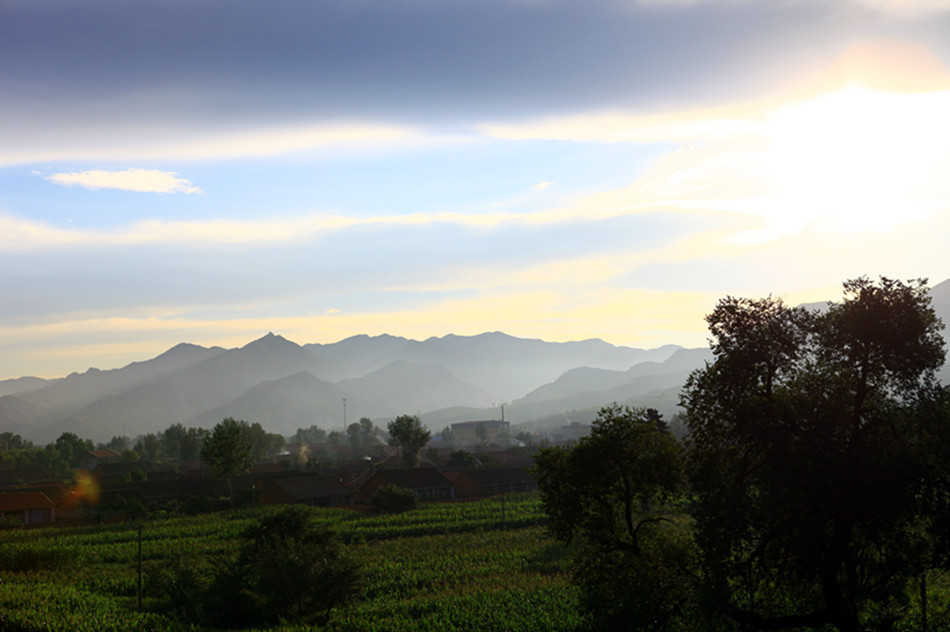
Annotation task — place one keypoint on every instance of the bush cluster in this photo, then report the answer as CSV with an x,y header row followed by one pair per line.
x,y
288,569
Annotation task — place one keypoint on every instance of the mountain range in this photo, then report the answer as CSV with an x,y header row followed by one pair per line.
x,y
284,386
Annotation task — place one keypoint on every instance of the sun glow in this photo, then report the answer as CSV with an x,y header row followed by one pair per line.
x,y
858,160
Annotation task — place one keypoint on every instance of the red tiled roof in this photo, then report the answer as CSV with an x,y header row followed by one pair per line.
x,y
22,501
28,475
311,487
495,476
56,492
414,478
105,454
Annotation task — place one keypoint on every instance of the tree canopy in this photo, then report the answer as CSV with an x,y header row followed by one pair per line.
x,y
812,490
810,438
612,494
407,432
362,434
227,451
298,566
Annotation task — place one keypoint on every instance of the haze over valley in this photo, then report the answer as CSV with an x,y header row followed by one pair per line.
x,y
284,385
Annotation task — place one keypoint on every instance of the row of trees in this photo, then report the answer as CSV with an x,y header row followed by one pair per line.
x,y
59,458
176,444
812,489
181,444
240,442
360,435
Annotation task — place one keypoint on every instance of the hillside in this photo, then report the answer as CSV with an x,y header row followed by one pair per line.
x,y
284,385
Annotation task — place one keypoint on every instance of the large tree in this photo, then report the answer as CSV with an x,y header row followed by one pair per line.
x,y
362,434
810,439
613,495
298,566
407,432
228,451
263,443
72,449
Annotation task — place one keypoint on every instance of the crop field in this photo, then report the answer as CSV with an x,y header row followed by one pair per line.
x,y
479,565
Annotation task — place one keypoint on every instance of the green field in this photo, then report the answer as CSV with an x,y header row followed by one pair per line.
x,y
442,567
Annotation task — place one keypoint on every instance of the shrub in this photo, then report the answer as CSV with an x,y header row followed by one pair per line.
x,y
393,499
197,504
288,569
297,567
30,557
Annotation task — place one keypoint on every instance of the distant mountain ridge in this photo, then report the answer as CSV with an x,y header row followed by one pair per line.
x,y
285,386
502,365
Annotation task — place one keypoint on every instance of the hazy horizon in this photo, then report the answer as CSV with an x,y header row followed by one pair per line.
x,y
209,172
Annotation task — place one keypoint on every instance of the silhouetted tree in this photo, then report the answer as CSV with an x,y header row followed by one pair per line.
x,y
227,451
263,443
393,499
118,444
172,438
409,434
310,435
149,447
73,450
289,569
298,567
462,458
813,456
612,495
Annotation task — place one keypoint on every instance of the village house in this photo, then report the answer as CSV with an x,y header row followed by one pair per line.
x,y
107,472
504,480
463,484
27,507
313,490
427,483
492,431
95,457
23,476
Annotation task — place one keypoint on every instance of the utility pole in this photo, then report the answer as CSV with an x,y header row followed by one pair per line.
x,y
140,565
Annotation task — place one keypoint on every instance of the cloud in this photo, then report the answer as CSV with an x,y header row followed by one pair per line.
x,y
901,8
19,234
845,160
842,161
907,8
138,180
541,186
136,140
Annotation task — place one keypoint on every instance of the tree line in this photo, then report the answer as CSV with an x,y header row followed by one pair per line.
x,y
812,490
177,444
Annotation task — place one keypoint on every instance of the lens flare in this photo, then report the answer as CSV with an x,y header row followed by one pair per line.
x,y
86,489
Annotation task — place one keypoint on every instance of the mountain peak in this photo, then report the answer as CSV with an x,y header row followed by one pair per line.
x,y
181,348
270,340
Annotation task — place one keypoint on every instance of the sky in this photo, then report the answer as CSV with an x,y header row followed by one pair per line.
x,y
207,171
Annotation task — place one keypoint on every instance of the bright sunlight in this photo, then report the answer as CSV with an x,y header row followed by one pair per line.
x,y
858,160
